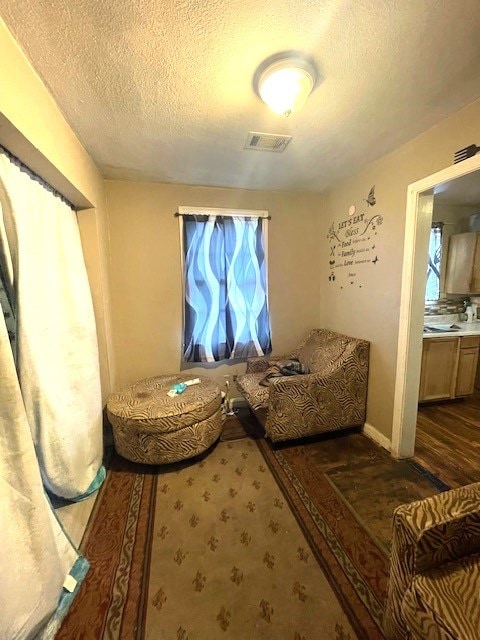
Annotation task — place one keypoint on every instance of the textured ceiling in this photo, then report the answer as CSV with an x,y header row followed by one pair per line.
x,y
162,89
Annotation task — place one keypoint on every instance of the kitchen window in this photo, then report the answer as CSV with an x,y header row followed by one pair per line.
x,y
432,291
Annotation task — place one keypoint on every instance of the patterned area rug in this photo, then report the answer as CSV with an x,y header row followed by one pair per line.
x,y
247,542
229,559
110,601
343,490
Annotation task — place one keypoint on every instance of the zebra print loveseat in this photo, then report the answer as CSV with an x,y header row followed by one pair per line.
x,y
330,397
434,586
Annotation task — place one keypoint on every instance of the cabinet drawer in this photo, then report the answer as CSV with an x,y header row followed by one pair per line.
x,y
467,342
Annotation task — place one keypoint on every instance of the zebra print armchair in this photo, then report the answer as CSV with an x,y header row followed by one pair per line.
x,y
434,588
330,397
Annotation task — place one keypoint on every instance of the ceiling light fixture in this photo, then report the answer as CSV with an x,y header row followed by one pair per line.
x,y
284,82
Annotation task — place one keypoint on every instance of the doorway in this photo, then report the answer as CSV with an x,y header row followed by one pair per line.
x,y
420,196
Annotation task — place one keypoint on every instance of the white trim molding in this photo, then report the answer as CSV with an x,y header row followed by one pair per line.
x,y
412,303
374,434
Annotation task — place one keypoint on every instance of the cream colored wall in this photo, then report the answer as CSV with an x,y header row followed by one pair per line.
x,y
27,107
146,276
372,312
457,214
146,285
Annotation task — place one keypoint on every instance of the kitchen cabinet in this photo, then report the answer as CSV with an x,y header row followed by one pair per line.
x,y
463,264
438,376
449,367
467,365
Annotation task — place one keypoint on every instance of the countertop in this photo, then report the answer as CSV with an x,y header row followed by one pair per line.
x,y
466,329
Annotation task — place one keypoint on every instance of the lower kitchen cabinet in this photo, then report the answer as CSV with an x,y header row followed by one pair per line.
x,y
438,377
467,369
449,367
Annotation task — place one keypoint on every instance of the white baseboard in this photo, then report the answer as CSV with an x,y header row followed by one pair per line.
x,y
377,437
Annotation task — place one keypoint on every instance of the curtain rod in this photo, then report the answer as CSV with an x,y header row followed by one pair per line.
x,y
219,215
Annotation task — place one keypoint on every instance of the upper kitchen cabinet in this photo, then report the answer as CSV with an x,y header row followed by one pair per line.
x,y
463,264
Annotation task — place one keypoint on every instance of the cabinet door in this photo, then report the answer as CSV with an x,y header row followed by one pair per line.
x,y
439,368
467,369
461,253
475,285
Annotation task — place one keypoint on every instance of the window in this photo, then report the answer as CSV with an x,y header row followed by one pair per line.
x,y
225,284
432,291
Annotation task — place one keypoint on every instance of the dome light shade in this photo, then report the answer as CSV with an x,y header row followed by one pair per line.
x,y
286,84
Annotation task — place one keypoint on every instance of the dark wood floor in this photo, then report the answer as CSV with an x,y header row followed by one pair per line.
x,y
448,440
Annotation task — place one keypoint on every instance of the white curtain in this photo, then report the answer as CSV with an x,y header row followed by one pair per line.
x,y
57,353
35,554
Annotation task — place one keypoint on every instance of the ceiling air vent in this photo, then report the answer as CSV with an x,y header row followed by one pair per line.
x,y
267,141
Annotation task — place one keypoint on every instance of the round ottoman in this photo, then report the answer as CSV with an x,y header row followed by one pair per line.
x,y
152,428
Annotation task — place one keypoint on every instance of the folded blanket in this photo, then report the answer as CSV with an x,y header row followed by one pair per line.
x,y
282,368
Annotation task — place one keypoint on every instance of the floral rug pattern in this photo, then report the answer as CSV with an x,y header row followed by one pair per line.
x,y
229,560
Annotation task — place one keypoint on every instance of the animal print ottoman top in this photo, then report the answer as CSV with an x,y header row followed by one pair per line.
x,y
145,404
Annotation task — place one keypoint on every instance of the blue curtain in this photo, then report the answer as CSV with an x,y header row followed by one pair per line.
x,y
226,307
432,291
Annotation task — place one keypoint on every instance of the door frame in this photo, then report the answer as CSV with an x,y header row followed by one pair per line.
x,y
412,303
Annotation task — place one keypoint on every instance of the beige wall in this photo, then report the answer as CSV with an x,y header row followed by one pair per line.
x,y
42,133
145,274
146,277
457,214
372,311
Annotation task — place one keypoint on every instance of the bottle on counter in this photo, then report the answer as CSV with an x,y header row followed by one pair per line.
x,y
469,311
475,308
